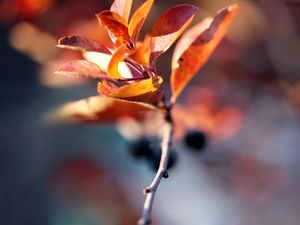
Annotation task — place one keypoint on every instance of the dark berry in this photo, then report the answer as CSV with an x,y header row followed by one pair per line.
x,y
196,139
154,160
145,146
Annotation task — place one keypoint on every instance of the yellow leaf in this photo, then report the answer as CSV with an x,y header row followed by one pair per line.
x,y
117,58
142,52
148,90
138,18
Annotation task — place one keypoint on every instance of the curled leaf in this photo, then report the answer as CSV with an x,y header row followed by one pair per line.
x,y
138,18
203,43
122,7
117,58
100,109
148,90
81,68
115,25
80,43
169,26
103,60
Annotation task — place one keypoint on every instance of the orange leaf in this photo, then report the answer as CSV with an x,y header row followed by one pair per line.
x,y
138,18
118,57
115,25
187,39
142,91
122,7
81,68
142,52
100,109
203,43
169,26
105,87
79,43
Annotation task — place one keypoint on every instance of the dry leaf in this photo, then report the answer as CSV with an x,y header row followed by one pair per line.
x,y
81,68
115,25
169,26
100,109
200,49
79,43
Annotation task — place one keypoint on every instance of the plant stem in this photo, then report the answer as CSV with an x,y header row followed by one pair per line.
x,y
161,172
134,66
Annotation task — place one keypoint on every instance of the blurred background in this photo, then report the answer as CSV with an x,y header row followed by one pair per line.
x,y
246,99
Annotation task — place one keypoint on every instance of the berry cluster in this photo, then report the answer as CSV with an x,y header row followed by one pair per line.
x,y
148,148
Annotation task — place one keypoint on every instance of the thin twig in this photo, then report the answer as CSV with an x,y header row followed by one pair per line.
x,y
124,79
134,66
161,172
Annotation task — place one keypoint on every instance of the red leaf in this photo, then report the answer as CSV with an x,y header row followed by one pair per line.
x,y
203,43
138,18
79,43
116,25
122,7
169,26
81,68
100,109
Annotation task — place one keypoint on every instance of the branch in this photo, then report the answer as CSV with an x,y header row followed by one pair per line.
x,y
161,172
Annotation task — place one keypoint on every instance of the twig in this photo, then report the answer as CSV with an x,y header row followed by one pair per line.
x,y
161,172
134,66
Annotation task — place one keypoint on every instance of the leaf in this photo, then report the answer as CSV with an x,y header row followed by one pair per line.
x,y
169,26
122,7
79,43
138,18
115,25
187,39
81,68
203,43
117,58
142,52
106,87
98,109
142,91
103,60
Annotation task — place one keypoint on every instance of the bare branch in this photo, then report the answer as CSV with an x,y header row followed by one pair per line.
x,y
161,172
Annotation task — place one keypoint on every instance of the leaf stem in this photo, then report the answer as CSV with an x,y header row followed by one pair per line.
x,y
134,66
150,191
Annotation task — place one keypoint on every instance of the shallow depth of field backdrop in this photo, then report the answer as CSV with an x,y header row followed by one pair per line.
x,y
246,98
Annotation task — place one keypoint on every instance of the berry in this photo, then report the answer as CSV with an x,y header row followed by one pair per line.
x,y
196,139
154,160
144,147
148,147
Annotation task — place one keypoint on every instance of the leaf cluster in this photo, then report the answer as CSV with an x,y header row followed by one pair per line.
x,y
122,95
